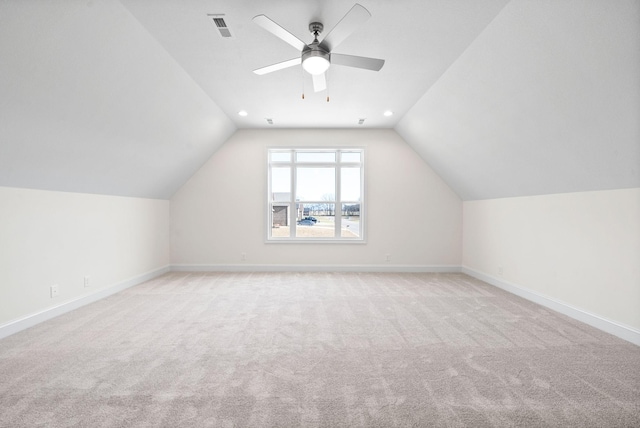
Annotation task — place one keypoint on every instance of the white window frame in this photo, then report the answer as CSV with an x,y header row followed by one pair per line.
x,y
293,163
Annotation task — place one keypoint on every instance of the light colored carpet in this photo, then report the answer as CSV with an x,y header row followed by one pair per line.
x,y
317,350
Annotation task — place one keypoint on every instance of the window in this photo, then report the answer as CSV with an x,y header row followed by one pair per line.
x,y
315,195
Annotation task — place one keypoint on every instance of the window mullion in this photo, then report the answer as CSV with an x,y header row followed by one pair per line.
x,y
293,206
337,218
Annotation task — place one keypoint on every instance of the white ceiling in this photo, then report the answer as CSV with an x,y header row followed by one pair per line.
x,y
501,98
90,102
545,100
418,39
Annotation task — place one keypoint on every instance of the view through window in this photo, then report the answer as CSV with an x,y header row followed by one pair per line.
x,y
315,194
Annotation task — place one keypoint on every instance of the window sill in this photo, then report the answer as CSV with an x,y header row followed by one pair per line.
x,y
314,241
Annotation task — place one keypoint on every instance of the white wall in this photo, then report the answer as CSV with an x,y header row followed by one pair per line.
x,y
51,238
580,249
411,213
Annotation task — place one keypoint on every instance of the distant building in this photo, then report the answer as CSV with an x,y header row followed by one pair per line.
x,y
280,215
280,212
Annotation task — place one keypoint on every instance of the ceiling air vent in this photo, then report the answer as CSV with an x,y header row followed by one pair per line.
x,y
220,23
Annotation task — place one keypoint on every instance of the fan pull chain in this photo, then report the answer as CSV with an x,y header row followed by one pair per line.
x,y
326,77
302,76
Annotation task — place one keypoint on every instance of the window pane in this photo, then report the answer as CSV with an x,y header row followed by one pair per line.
x,y
315,184
280,156
280,221
350,227
316,156
281,184
322,227
350,156
350,184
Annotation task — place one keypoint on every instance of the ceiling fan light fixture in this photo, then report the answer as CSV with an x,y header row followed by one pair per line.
x,y
315,60
315,65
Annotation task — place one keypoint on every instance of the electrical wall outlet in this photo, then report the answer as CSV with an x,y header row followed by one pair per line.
x,y
86,281
388,257
500,270
55,290
243,256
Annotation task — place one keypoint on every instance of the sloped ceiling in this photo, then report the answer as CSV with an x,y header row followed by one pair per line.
x,y
90,102
501,98
545,100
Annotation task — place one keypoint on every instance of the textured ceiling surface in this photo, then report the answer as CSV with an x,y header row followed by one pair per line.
x,y
500,98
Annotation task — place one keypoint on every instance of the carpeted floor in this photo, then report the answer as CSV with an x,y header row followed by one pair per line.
x,y
317,350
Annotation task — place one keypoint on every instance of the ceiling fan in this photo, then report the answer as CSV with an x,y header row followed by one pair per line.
x,y
317,57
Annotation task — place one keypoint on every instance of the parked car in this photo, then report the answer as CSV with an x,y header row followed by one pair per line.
x,y
313,219
306,222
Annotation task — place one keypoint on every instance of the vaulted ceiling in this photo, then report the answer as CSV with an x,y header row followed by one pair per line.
x,y
501,98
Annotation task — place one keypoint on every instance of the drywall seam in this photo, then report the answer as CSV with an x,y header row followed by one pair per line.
x,y
622,331
28,321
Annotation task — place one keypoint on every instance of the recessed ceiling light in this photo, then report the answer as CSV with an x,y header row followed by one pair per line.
x,y
243,113
388,113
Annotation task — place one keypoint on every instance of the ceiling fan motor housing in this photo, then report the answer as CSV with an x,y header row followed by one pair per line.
x,y
315,60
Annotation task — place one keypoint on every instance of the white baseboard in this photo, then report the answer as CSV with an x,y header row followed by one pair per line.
x,y
15,326
622,331
314,268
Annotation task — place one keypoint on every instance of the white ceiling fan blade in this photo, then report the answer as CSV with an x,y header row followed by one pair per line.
x,y
373,64
278,66
347,25
319,82
279,32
